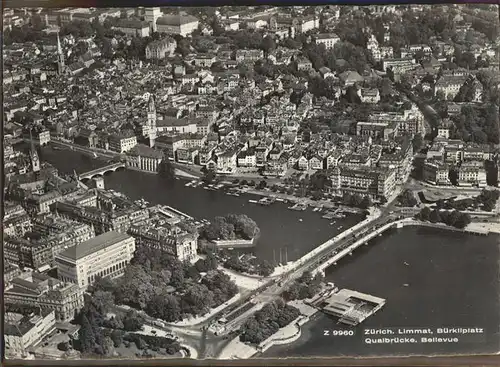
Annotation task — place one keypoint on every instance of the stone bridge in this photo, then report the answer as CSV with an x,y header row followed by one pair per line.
x,y
101,171
362,241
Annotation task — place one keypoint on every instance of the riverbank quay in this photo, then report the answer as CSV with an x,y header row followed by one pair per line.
x,y
178,172
326,204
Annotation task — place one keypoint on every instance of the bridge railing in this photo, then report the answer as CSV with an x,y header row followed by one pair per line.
x,y
373,216
102,169
358,243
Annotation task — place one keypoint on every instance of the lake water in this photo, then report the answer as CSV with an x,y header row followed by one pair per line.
x,y
453,281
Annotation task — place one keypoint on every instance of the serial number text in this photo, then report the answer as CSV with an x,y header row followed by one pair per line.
x,y
338,332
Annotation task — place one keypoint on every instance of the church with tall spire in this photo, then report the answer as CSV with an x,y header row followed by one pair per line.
x,y
152,121
61,67
34,158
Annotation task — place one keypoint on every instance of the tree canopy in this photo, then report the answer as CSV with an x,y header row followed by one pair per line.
x,y
230,227
267,321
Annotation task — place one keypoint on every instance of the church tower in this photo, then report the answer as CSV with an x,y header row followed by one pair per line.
x,y
35,160
60,57
152,121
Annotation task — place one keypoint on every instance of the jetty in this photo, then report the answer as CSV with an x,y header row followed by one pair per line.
x,y
266,201
348,306
233,244
336,214
298,207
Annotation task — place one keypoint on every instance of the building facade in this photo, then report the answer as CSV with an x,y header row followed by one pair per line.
x,y
177,24
122,143
327,39
436,173
22,332
133,27
144,158
106,255
40,290
161,48
378,184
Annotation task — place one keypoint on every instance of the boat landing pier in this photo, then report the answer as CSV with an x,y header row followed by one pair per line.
x,y
350,307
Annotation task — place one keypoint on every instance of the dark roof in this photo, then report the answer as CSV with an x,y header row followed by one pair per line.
x,y
176,20
94,244
24,325
172,121
145,151
132,23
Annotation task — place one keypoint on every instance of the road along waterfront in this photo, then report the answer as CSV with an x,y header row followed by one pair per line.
x,y
431,278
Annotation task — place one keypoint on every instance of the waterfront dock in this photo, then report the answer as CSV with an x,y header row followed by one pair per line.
x,y
298,207
232,244
336,214
350,307
267,201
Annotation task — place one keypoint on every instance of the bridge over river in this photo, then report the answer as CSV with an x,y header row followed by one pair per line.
x,y
101,171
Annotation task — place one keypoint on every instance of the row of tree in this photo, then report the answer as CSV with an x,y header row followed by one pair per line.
x,y
253,266
306,286
154,342
451,218
407,198
356,200
488,199
267,321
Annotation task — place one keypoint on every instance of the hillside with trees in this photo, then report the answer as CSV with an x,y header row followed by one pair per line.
x,y
478,124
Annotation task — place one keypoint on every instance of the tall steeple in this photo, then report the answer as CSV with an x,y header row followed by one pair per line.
x,y
152,121
60,57
35,160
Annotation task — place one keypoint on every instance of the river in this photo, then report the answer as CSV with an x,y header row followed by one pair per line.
x,y
281,230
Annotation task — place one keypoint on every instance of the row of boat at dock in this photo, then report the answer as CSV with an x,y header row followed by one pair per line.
x,y
230,189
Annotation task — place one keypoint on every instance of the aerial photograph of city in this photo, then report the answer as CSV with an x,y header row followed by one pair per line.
x,y
243,182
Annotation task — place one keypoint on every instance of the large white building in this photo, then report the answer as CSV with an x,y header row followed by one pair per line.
x,y
105,255
144,158
151,15
327,39
122,142
472,174
177,24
